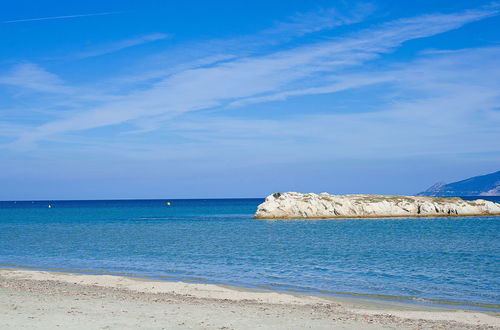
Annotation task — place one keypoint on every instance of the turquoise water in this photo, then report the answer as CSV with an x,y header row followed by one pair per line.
x,y
216,241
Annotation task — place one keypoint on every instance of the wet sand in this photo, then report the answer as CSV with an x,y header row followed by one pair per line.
x,y
31,299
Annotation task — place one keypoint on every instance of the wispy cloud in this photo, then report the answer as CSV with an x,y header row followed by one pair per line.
x,y
120,45
318,20
440,104
440,107
210,52
33,77
303,70
56,17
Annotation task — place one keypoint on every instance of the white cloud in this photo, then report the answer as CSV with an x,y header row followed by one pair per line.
x,y
443,105
322,19
120,45
214,51
259,78
31,76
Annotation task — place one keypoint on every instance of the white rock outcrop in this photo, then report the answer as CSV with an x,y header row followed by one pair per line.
x,y
296,205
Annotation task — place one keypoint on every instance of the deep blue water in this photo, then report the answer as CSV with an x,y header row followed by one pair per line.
x,y
216,241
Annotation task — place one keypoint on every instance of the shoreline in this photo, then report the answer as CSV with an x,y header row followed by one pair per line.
x,y
335,295
46,297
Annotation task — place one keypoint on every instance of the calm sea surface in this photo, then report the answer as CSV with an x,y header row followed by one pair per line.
x,y
215,241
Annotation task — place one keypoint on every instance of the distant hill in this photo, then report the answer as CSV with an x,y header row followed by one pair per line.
x,y
484,185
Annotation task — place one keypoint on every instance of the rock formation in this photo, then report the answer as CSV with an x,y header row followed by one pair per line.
x,y
296,205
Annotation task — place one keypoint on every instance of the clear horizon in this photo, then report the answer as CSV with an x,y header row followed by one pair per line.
x,y
121,100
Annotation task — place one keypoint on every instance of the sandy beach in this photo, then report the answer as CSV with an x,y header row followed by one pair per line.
x,y
47,300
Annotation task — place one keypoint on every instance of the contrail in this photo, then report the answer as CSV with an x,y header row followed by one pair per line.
x,y
56,17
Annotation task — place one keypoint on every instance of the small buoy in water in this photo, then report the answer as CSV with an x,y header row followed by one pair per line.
x,y
50,206
168,203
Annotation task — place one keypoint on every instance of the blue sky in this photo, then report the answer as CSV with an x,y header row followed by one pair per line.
x,y
190,99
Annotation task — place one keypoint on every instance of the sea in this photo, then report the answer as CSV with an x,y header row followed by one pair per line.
x,y
444,261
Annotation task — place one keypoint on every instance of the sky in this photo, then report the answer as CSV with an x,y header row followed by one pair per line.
x,y
226,99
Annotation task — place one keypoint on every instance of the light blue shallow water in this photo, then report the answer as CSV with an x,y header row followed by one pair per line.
x,y
451,259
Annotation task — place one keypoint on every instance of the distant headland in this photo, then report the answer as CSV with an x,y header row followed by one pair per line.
x,y
483,185
296,205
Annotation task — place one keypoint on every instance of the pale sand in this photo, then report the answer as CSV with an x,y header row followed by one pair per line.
x,y
50,300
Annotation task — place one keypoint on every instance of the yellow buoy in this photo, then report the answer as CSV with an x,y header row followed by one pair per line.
x,y
168,203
